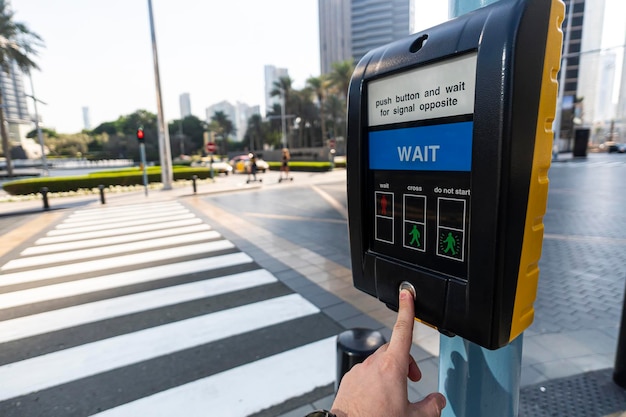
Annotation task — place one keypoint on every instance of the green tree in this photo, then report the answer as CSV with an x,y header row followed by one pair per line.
x,y
320,86
283,88
340,81
188,134
306,117
256,132
340,76
223,128
118,139
17,45
50,133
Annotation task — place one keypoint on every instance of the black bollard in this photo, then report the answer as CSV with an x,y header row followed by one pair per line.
x,y
193,179
101,187
354,346
619,373
44,195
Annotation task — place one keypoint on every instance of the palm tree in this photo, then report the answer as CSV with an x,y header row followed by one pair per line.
x,y
282,88
340,76
320,85
256,132
17,45
340,80
223,127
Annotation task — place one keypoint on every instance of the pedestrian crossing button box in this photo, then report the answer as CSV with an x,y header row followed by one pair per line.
x,y
448,149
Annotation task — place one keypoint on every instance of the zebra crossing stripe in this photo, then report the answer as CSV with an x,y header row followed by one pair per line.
x,y
115,232
108,250
106,282
113,262
235,393
60,367
105,217
120,225
113,240
116,307
116,210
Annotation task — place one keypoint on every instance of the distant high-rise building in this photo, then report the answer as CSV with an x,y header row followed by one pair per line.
x,y
335,32
587,21
238,115
272,74
620,112
86,118
350,28
185,105
14,104
244,112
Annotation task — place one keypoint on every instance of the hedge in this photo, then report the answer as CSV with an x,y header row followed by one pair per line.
x,y
122,177
306,166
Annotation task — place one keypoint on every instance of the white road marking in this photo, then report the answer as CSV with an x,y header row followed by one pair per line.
x,y
57,368
114,262
106,282
115,232
108,250
244,390
113,240
120,225
101,310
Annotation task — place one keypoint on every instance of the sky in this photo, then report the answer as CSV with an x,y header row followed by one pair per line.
x,y
98,53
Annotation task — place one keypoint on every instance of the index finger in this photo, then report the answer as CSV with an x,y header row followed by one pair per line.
x,y
402,335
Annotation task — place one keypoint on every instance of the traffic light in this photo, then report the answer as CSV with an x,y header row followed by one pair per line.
x,y
140,135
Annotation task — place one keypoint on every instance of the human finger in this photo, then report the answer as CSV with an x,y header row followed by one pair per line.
x,y
402,335
430,406
414,371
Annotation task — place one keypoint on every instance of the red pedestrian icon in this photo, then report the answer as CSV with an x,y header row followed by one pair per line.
x,y
383,205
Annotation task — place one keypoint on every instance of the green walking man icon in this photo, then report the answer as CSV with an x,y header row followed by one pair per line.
x,y
415,236
451,242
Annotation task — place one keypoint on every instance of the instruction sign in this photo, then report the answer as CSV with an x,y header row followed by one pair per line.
x,y
440,90
420,154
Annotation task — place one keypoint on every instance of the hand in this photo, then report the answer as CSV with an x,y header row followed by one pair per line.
x,y
378,386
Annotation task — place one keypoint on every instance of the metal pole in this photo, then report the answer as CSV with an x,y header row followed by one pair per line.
x,y
165,153
478,381
142,153
44,162
282,117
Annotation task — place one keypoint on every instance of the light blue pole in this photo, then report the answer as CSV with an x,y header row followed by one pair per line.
x,y
478,381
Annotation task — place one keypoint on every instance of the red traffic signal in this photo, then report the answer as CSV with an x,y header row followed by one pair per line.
x,y
140,135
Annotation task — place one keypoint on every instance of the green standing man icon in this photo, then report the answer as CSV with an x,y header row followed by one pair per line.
x,y
451,242
415,236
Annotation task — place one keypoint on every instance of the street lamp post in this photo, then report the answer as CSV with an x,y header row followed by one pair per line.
x,y
282,117
165,153
44,162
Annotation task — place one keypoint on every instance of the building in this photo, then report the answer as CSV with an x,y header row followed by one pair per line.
x,y
244,112
15,107
621,102
272,75
185,105
335,32
238,114
86,118
350,28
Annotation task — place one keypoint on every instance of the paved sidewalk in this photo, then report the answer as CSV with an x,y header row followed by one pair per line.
x,y
567,357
